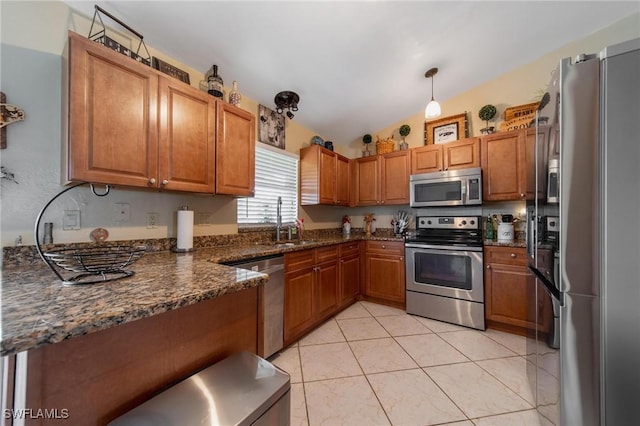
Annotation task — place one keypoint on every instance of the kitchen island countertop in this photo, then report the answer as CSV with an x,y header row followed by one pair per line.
x,y
38,310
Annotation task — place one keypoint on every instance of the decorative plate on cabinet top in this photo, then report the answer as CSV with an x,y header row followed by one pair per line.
x,y
317,140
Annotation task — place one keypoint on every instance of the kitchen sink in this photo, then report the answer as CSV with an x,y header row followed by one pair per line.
x,y
292,243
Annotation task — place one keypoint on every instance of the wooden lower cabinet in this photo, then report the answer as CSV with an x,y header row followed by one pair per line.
x,y
385,271
511,302
299,312
318,283
349,272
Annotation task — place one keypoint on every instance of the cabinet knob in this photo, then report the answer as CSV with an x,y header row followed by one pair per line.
x,y
384,247
521,195
513,255
165,181
488,266
401,258
152,181
382,202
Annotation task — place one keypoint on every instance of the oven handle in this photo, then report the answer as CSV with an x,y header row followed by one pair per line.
x,y
440,247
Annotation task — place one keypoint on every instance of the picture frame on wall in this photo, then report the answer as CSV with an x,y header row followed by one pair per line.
x,y
446,129
270,127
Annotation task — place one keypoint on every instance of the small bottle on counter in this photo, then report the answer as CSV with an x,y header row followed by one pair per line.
x,y
489,229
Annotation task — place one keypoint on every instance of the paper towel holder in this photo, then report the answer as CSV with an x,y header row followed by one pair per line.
x,y
175,248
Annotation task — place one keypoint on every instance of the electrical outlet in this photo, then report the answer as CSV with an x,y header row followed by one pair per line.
x,y
152,220
121,212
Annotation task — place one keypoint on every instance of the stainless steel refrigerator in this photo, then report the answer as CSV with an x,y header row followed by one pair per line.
x,y
592,109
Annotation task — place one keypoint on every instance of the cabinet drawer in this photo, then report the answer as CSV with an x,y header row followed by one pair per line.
x,y
325,254
298,260
386,247
506,255
347,249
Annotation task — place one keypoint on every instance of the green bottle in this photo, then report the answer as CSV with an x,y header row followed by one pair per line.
x,y
489,229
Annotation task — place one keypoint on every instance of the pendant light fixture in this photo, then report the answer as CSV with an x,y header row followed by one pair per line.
x,y
433,109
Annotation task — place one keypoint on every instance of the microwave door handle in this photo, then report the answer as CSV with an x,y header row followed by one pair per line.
x,y
463,191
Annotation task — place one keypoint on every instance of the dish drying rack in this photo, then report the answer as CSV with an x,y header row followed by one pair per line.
x,y
88,265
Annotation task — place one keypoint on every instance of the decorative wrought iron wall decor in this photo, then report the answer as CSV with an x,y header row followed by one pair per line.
x,y
8,114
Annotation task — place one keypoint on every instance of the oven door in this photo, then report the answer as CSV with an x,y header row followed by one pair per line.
x,y
447,271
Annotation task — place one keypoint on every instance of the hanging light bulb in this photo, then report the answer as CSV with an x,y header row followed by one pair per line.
x,y
433,109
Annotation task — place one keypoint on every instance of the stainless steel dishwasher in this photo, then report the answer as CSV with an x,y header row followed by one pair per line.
x,y
273,298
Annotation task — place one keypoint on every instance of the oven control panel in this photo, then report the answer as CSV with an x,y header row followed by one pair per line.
x,y
448,222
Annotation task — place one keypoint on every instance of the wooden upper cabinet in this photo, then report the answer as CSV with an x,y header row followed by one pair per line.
x,y
366,181
186,154
343,182
113,129
324,177
134,126
382,179
235,151
460,154
508,164
426,159
501,166
395,169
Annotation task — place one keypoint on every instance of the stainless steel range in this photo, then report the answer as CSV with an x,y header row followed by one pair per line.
x,y
444,270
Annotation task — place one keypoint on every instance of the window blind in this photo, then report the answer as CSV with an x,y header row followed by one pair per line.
x,y
276,175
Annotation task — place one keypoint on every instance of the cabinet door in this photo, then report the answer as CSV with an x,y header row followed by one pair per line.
x,y
327,285
113,129
366,179
426,159
384,277
328,176
510,290
395,169
342,185
500,166
235,151
187,138
299,310
462,154
349,271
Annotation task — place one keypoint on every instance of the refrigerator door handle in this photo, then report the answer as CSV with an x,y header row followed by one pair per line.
x,y
548,285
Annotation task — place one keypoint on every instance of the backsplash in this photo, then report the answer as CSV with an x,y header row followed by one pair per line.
x,y
27,255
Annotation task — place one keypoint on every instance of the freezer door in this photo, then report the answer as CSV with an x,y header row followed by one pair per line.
x,y
620,207
579,243
579,142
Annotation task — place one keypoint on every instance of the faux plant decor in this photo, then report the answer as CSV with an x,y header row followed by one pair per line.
x,y
486,114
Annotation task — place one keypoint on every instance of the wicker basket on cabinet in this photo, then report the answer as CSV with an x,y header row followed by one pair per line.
x,y
385,145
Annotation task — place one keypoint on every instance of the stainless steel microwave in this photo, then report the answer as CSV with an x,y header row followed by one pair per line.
x,y
450,188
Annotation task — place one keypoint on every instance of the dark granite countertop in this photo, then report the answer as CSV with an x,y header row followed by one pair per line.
x,y
38,310
516,243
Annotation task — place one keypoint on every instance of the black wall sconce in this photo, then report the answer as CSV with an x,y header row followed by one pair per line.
x,y
287,100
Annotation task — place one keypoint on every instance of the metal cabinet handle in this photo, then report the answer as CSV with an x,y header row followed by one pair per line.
x,y
521,195
513,255
152,181
382,202
383,246
401,258
164,181
488,266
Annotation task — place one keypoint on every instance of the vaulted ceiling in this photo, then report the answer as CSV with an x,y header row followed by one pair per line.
x,y
359,66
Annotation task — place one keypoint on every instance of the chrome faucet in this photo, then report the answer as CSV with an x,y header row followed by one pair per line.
x,y
278,219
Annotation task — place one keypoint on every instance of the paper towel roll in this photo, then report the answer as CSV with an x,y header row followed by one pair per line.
x,y
185,230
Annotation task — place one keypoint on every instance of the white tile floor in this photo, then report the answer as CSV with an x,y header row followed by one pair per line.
x,y
376,365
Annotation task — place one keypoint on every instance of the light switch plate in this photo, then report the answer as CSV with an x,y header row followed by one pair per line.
x,y
71,220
